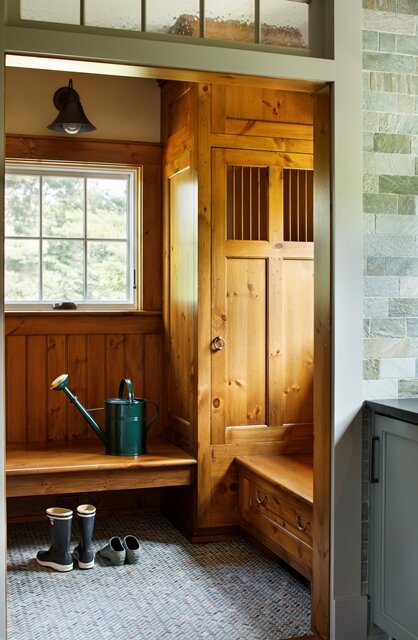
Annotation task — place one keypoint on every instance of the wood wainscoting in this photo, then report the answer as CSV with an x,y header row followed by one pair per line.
x,y
97,350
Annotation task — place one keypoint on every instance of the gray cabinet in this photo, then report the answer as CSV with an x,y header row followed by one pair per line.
x,y
393,572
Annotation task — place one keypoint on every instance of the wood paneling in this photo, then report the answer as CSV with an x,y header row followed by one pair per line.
x,y
261,108
95,362
297,341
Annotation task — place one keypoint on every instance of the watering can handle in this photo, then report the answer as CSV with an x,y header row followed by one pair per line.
x,y
153,419
126,382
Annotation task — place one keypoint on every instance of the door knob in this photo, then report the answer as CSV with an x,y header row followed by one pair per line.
x,y
218,343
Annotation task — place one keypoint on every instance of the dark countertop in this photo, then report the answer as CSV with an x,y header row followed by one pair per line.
x,y
402,409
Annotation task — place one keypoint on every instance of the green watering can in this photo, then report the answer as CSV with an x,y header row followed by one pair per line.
x,y
126,422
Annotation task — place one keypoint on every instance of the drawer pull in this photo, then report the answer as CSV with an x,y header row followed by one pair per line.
x,y
260,500
299,524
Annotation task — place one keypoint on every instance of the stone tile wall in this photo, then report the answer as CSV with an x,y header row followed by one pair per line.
x,y
390,63
390,45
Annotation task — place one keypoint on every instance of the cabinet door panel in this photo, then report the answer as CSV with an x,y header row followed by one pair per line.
x,y
394,567
262,300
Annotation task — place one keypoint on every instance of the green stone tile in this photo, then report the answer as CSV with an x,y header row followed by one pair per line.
x,y
380,5
407,388
406,103
376,245
407,205
380,203
370,183
387,328
398,123
366,328
406,44
408,6
391,164
391,143
371,369
407,185
403,307
393,82
391,348
401,266
376,266
370,121
389,62
375,307
387,42
381,287
388,225
370,41
380,101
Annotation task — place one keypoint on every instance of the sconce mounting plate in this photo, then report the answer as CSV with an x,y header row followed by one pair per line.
x,y
60,96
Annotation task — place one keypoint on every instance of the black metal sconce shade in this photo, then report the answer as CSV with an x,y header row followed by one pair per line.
x,y
71,118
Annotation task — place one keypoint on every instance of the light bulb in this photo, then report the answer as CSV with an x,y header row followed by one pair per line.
x,y
71,127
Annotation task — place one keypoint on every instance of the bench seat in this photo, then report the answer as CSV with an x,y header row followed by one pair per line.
x,y
73,467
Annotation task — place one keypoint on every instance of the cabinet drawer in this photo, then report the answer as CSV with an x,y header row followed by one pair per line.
x,y
281,507
279,519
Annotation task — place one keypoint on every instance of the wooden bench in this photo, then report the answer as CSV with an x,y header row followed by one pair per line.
x,y
83,466
276,505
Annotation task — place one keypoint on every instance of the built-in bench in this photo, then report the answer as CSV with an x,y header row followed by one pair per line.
x,y
276,505
73,467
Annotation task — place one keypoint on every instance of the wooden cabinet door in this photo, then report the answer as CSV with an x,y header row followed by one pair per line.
x,y
262,294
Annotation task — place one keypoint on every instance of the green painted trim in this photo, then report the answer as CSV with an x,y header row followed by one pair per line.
x,y
166,54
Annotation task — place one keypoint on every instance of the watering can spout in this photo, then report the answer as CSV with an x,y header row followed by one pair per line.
x,y
61,384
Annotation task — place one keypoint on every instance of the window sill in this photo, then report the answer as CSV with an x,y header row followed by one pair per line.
x,y
85,312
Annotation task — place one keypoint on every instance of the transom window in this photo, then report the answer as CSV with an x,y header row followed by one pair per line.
x,y
70,235
280,23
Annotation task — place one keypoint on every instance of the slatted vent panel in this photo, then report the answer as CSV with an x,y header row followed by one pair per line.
x,y
298,205
247,203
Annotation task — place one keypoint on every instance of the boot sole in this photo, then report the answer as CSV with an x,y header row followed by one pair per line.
x,y
55,565
85,565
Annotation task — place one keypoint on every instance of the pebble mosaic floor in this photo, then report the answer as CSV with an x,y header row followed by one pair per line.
x,y
219,590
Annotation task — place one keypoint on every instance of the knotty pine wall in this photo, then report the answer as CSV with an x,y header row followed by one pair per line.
x,y
95,349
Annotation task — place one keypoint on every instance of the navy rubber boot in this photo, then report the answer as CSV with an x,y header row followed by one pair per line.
x,y
83,553
58,556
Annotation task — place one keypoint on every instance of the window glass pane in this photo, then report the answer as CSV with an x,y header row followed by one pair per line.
x,y
123,14
106,271
180,17
22,205
51,11
106,208
62,269
21,270
284,23
62,204
230,21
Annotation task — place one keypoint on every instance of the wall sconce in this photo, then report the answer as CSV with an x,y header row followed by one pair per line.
x,y
71,118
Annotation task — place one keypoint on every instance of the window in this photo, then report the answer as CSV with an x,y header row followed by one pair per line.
x,y
70,235
280,23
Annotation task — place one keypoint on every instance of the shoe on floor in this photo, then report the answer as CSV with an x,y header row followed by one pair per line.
x,y
114,551
131,546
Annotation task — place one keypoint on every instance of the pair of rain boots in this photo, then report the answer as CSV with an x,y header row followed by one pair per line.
x,y
59,556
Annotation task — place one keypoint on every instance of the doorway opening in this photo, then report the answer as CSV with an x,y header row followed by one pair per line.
x,y
324,455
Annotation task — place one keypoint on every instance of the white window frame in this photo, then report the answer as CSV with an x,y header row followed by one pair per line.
x,y
87,170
